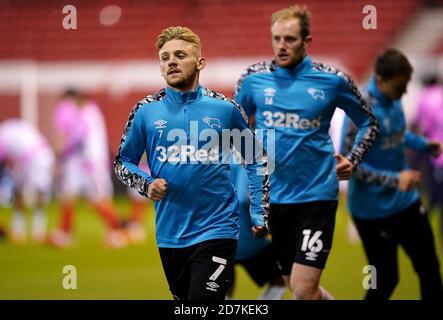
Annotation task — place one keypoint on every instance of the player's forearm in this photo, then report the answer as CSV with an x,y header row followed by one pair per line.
x,y
369,174
131,175
348,139
259,192
364,140
350,99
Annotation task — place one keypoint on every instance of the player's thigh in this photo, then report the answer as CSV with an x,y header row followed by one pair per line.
x,y
212,269
305,277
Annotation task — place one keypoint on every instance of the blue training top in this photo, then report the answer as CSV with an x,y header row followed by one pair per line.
x,y
299,103
182,136
373,191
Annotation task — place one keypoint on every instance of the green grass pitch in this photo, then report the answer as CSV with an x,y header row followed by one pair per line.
x,y
36,272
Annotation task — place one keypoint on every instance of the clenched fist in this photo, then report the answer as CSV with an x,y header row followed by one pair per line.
x,y
259,231
344,167
408,179
157,189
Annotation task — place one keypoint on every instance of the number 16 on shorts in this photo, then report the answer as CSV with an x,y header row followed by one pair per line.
x,y
313,243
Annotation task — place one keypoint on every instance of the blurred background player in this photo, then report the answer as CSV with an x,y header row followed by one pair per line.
x,y
429,120
382,197
84,167
29,159
304,195
254,254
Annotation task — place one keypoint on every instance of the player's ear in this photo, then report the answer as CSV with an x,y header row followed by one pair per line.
x,y
201,63
307,41
379,81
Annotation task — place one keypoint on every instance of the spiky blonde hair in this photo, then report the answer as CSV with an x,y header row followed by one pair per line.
x,y
179,33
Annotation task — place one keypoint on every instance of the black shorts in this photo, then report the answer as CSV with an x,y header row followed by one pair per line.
x,y
262,267
203,271
302,233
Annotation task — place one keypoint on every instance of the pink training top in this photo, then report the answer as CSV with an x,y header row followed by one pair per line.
x,y
430,116
83,133
70,126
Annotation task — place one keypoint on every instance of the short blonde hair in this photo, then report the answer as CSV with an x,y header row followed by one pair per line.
x,y
179,33
296,11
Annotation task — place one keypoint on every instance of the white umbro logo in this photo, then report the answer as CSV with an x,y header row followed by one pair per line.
x,y
212,286
269,94
160,124
312,244
316,93
311,256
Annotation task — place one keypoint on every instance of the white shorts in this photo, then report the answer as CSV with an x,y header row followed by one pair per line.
x,y
36,176
92,181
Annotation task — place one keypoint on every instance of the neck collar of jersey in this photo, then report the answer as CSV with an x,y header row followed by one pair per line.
x,y
178,97
305,64
375,92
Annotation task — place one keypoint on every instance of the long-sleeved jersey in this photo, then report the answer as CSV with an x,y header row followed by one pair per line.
x,y
299,103
373,191
183,135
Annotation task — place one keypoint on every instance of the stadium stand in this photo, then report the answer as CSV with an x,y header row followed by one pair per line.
x,y
230,29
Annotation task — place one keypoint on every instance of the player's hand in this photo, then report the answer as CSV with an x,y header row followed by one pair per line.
x,y
259,231
408,179
343,168
157,190
434,148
